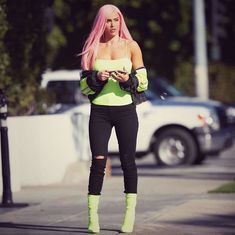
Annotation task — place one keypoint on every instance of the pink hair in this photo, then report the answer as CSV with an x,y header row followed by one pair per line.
x,y
90,48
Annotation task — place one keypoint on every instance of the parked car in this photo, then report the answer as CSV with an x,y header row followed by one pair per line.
x,y
176,129
211,138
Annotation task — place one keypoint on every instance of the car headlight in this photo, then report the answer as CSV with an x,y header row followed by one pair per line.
x,y
209,120
230,112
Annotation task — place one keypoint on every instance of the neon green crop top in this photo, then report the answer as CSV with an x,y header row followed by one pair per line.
x,y
112,94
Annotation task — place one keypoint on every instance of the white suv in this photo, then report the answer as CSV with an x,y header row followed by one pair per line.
x,y
177,129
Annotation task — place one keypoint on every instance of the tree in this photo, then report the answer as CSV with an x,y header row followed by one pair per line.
x,y
37,35
25,45
4,57
72,22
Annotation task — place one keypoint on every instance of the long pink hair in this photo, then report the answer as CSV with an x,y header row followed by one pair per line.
x,y
90,48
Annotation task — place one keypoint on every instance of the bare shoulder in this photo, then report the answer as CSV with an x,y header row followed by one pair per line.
x,y
133,45
136,54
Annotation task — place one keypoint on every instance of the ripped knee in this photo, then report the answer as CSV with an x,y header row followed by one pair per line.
x,y
99,157
98,164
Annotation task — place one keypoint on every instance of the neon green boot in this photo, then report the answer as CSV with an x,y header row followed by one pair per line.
x,y
93,204
129,218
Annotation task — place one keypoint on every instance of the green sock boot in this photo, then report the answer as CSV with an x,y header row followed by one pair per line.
x,y
93,204
129,218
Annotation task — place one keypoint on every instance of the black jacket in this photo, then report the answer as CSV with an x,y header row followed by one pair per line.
x,y
130,85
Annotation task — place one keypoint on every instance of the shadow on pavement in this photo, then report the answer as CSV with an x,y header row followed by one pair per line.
x,y
48,228
218,221
43,227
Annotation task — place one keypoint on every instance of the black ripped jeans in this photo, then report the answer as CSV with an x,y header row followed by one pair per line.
x,y
125,121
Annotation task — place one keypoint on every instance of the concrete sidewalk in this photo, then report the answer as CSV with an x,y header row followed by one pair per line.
x,y
166,205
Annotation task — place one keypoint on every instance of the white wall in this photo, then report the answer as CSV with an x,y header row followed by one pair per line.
x,y
43,147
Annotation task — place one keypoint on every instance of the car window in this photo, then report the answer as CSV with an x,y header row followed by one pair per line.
x,y
63,92
163,89
151,95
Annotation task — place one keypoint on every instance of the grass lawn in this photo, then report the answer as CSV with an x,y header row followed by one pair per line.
x,y
225,188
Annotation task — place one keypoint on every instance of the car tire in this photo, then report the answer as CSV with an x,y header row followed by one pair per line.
x,y
175,146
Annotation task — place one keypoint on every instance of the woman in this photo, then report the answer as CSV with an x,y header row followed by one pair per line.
x,y
114,79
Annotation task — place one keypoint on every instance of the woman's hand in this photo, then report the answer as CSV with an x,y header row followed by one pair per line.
x,y
120,75
103,75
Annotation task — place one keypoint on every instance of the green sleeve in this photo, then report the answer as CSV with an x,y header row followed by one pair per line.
x,y
141,75
85,89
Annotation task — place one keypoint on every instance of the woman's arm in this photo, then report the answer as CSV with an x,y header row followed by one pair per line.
x,y
138,65
136,55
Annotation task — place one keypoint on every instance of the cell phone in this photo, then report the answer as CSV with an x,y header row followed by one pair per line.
x,y
110,72
122,72
115,71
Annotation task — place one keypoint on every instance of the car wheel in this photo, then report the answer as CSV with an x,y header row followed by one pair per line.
x,y
174,147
